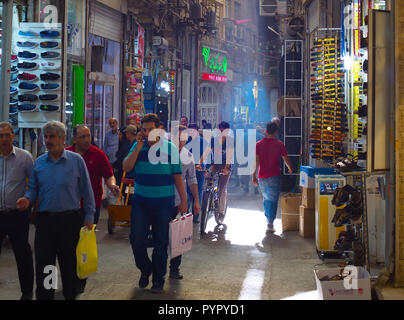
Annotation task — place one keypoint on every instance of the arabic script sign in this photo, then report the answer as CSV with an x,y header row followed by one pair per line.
x,y
216,62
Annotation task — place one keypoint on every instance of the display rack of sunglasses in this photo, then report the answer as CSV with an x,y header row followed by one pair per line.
x,y
293,89
360,228
356,91
328,98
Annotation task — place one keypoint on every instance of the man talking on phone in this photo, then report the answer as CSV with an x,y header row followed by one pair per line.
x,y
153,201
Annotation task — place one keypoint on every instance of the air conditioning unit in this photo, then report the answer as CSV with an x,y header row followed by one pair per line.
x,y
273,7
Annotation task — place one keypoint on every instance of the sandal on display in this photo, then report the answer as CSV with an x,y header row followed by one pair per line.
x,y
348,163
341,217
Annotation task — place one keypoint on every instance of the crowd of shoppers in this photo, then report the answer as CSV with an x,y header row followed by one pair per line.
x,y
65,190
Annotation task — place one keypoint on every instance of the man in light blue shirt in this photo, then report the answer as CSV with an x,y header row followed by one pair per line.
x,y
111,141
59,181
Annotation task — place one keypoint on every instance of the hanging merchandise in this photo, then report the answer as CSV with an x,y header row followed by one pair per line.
x,y
38,72
349,203
329,120
134,94
171,80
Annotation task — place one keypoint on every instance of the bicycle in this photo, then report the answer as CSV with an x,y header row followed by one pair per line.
x,y
210,202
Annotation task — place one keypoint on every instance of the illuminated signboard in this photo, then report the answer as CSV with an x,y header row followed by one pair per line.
x,y
214,77
215,62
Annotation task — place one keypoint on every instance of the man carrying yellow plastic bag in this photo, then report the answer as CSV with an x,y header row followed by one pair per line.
x,y
86,251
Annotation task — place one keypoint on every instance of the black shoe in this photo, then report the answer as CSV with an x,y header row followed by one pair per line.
x,y
49,76
48,97
176,275
49,108
157,288
143,281
81,286
26,296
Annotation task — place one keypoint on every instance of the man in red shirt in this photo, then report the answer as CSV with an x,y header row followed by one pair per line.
x,y
97,163
268,155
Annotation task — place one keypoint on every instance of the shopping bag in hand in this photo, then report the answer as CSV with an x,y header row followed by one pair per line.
x,y
86,252
181,232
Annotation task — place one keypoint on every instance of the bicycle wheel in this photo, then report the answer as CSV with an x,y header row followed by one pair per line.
x,y
206,200
219,217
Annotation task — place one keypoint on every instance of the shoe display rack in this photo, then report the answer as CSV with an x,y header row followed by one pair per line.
x,y
352,213
134,93
39,69
329,115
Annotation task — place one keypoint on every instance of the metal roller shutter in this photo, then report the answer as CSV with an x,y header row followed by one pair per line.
x,y
105,22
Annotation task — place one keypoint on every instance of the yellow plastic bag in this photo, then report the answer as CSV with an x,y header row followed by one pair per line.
x,y
86,252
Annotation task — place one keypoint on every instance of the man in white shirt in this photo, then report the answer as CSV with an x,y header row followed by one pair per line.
x,y
189,176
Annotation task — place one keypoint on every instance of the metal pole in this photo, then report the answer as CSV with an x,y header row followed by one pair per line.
x,y
7,25
196,81
182,75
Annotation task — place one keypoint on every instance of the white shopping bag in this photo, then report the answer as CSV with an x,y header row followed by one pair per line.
x,y
181,232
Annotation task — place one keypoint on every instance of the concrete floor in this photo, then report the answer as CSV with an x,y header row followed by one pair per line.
x,y
237,263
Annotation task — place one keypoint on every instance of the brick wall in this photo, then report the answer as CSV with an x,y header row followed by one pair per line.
x,y
399,276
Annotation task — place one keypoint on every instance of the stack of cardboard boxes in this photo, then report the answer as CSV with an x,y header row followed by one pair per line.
x,y
307,212
290,211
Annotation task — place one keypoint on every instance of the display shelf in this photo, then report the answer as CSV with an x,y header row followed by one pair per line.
x,y
38,117
328,98
363,226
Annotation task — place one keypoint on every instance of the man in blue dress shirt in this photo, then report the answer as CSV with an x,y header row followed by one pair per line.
x,y
59,181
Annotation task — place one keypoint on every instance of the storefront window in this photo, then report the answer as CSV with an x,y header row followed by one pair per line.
x,y
103,96
112,54
75,12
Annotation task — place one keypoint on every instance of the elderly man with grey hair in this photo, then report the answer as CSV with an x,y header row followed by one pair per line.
x,y
15,167
59,181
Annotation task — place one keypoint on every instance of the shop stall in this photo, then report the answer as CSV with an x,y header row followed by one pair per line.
x,y
349,104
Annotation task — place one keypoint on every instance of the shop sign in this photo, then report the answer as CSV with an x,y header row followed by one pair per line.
x,y
214,77
215,62
383,5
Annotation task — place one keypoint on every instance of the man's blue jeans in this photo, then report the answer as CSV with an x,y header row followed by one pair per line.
x,y
270,189
142,217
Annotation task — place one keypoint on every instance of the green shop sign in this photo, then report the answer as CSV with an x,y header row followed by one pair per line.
x,y
215,63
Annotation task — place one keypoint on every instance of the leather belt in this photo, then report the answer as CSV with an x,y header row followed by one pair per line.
x,y
53,214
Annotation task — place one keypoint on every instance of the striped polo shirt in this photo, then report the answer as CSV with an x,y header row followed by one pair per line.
x,y
154,170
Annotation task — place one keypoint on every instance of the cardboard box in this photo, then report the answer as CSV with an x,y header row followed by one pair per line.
x,y
290,204
309,198
307,222
290,221
336,290
308,173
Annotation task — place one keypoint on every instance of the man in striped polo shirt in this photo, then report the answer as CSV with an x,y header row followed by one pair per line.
x,y
153,200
